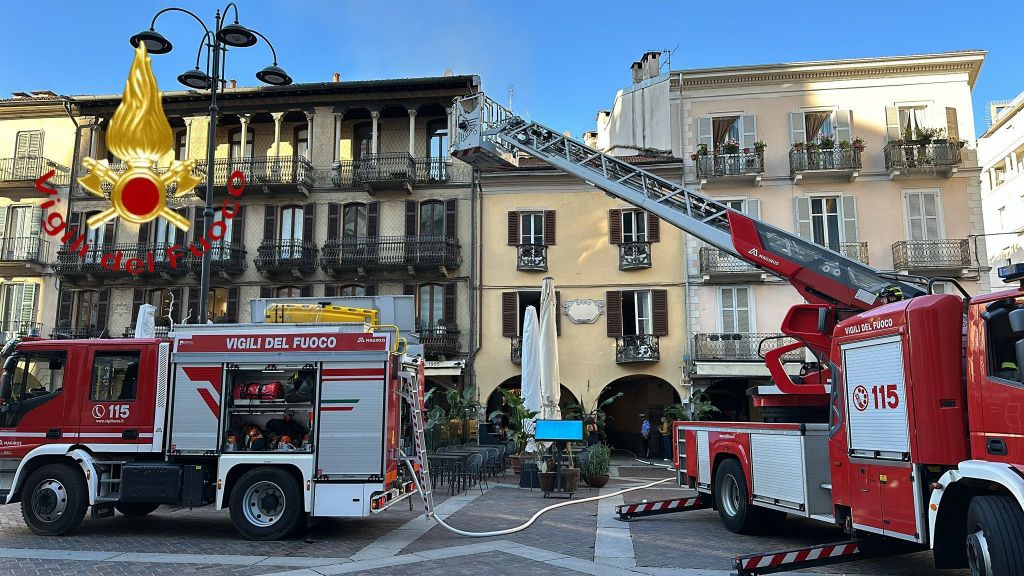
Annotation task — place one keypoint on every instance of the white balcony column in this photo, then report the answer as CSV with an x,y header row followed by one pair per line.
x,y
188,136
309,135
275,167
451,132
375,115
1011,163
244,119
412,132
336,153
93,134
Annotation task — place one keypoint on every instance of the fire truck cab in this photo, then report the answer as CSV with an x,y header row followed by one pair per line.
x,y
273,421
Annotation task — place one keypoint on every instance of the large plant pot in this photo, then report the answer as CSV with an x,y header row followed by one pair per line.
x,y
517,464
598,481
547,481
570,479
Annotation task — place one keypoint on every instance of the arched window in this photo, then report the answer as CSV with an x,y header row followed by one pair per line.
x,y
429,305
362,140
287,292
87,309
235,140
354,221
352,290
431,218
181,145
300,142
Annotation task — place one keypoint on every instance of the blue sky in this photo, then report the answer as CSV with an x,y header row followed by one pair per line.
x,y
565,59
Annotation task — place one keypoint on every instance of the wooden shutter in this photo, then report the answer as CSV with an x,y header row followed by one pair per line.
x,y
844,126
549,227
35,222
3,219
849,207
748,131
613,313
233,304
797,129
448,306
752,208
102,308
727,305
373,219
238,227
892,123
269,222
197,224
653,228
952,126
451,218
306,290
615,226
370,289
558,312
513,228
330,290
704,135
308,223
659,312
29,293
802,213
66,308
266,292
29,144
179,303
509,314
410,217
192,311
333,221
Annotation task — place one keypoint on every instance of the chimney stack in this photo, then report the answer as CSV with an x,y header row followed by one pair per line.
x,y
234,83
651,63
337,77
636,69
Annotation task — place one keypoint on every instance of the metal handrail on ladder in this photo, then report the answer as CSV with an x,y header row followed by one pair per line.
x,y
412,391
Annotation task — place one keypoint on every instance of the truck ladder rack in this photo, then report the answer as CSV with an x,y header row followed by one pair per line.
x,y
412,380
657,507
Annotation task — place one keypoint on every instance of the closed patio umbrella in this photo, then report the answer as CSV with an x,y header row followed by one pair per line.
x,y
530,379
550,382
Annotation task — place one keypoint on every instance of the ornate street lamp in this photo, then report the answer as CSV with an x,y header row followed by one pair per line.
x,y
215,41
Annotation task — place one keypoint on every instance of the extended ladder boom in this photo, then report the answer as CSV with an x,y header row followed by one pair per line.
x,y
489,136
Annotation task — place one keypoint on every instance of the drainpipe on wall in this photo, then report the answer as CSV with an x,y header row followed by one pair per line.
x,y
73,173
475,319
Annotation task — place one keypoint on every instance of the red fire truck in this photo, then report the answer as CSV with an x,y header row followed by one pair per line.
x,y
913,428
273,421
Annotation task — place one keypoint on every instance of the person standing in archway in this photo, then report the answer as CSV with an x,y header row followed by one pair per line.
x,y
645,436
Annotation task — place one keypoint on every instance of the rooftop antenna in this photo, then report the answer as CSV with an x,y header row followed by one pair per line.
x,y
511,92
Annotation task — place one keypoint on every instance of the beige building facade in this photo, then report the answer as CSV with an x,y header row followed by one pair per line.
x,y
1001,155
873,158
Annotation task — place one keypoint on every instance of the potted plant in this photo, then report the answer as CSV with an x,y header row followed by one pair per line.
x,y
545,476
702,150
599,465
731,146
827,141
798,146
517,412
844,144
759,147
570,478
858,144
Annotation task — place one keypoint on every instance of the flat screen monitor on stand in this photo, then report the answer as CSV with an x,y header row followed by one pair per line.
x,y
561,433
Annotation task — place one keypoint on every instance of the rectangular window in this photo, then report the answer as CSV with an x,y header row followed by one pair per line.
x,y
220,249
531,228
636,312
913,118
527,298
734,302
430,305
217,302
923,218
818,124
725,129
634,226
114,376
825,221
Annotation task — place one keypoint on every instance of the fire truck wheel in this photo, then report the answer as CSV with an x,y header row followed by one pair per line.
x,y
54,500
995,528
135,509
266,504
733,501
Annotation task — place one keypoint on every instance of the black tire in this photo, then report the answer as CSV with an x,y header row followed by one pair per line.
x,y
54,499
135,509
266,504
995,530
733,501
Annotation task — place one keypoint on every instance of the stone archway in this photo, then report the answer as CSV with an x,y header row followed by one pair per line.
x,y
641,394
495,400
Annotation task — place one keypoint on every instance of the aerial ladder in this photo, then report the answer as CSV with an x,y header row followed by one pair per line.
x,y
489,136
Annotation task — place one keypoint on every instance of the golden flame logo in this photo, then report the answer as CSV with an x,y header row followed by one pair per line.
x,y
140,135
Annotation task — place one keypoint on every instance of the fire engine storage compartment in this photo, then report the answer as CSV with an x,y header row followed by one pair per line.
x,y
246,409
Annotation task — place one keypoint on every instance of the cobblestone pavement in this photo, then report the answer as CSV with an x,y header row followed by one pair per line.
x,y
577,539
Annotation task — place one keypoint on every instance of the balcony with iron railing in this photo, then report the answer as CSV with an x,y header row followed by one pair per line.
x,y
532,258
439,338
226,259
158,332
634,255
953,255
941,157
855,251
20,174
10,329
272,174
516,349
428,171
156,258
389,253
744,164
77,265
295,257
25,254
78,332
385,172
715,262
741,347
808,161
637,348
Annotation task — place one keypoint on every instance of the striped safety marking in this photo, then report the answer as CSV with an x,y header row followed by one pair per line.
x,y
808,554
658,505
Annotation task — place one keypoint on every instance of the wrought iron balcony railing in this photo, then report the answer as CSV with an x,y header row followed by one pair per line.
x,y
295,256
16,328
74,263
27,249
532,258
77,332
634,255
439,338
637,348
721,165
159,332
823,159
516,349
428,171
933,254
716,261
855,250
225,257
29,169
902,156
396,170
391,253
741,346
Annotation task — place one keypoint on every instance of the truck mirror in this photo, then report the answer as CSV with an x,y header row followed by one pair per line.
x,y
5,386
1017,320
1020,359
823,320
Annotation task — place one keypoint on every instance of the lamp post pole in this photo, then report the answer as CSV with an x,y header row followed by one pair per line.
x,y
211,150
